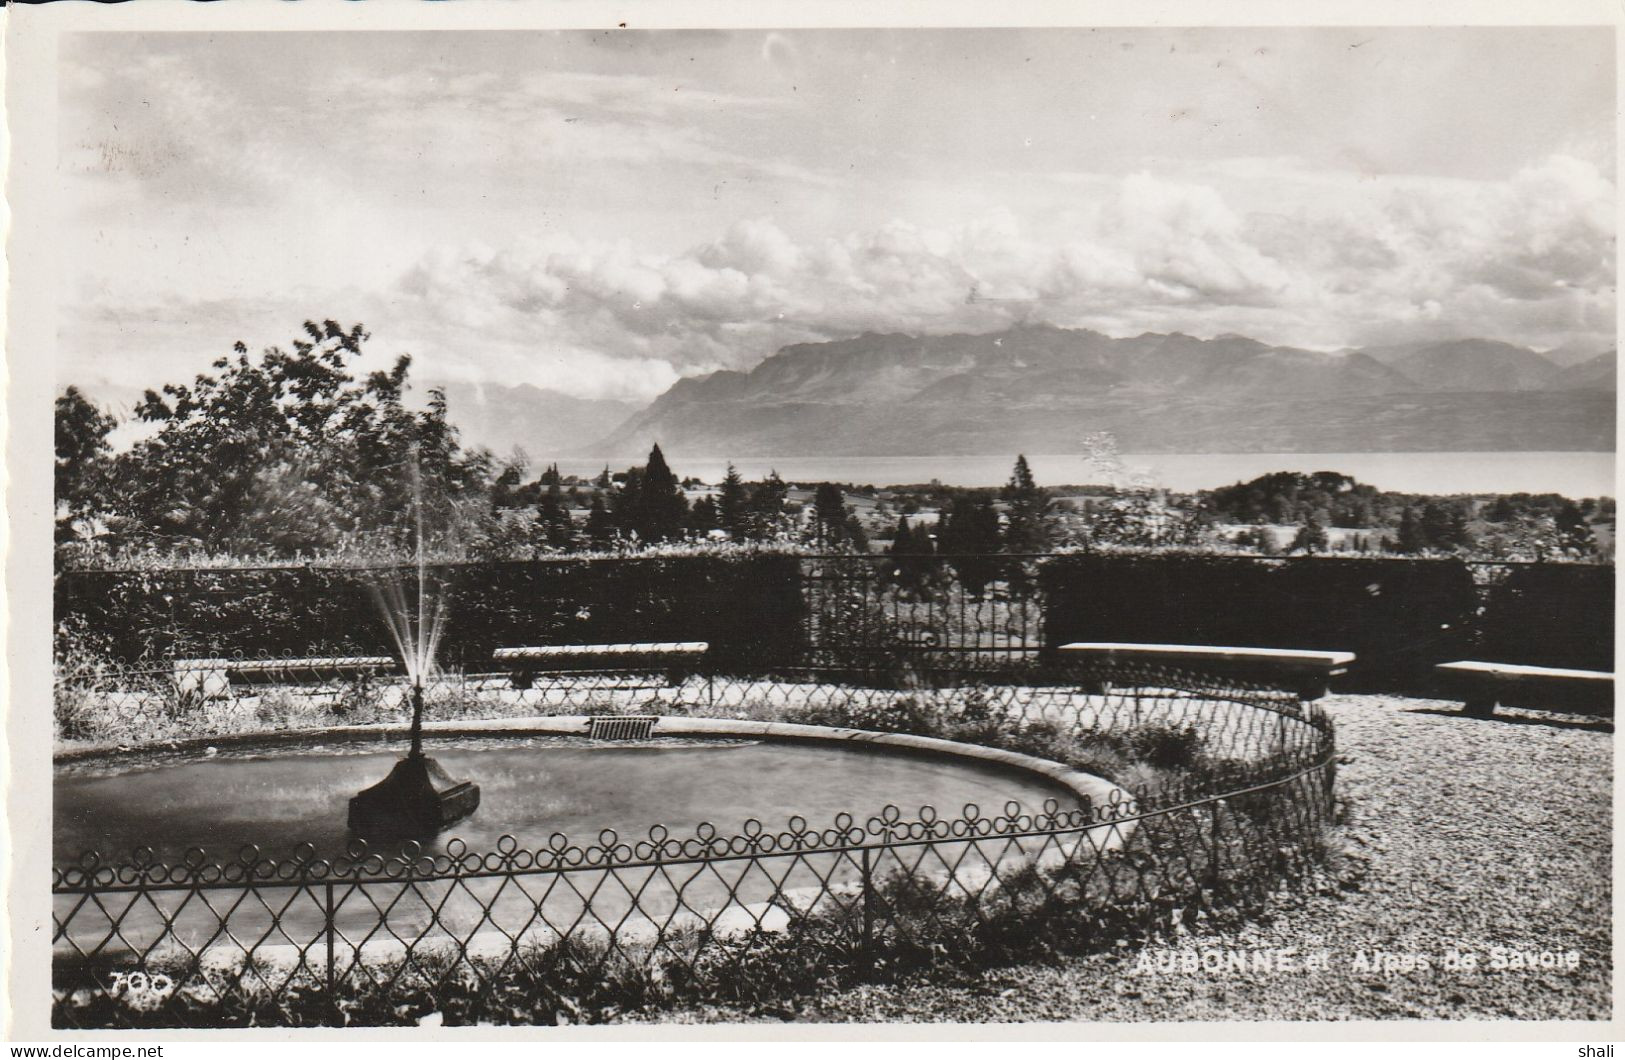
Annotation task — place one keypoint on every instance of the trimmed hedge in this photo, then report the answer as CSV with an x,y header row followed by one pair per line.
x,y
1553,614
1399,616
745,606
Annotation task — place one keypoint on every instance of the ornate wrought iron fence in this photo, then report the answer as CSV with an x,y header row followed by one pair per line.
x,y
939,611
1236,792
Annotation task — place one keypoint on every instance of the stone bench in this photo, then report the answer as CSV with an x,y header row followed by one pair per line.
x,y
213,678
1307,673
1481,686
675,658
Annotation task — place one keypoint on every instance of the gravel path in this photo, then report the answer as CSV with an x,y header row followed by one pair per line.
x,y
1487,837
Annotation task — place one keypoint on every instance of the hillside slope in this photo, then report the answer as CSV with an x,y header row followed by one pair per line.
x,y
1043,388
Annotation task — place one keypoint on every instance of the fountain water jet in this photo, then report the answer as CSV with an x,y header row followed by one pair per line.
x,y
418,798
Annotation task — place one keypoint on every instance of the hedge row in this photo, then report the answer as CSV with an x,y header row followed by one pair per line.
x,y
1551,615
745,606
1399,616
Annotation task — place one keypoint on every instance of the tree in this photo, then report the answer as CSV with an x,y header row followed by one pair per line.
x,y
1574,534
829,515
702,517
969,537
659,510
1286,497
1028,520
505,490
912,558
600,525
767,502
1311,536
554,529
733,507
289,452
857,538
83,461
1410,536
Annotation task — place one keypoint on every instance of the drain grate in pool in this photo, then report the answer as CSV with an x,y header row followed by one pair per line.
x,y
631,727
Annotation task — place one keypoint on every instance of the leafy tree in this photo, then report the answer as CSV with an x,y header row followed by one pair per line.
x,y
1311,536
969,537
1574,534
1287,497
505,489
1140,516
83,461
290,452
600,525
913,560
1444,526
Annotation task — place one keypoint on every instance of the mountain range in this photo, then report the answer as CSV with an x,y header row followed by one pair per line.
x,y
544,423
1039,388
1042,388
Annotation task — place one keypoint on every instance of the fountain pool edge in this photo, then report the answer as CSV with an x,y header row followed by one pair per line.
x,y
1099,791
1110,804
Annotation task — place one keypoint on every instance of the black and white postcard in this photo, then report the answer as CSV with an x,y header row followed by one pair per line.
x,y
811,519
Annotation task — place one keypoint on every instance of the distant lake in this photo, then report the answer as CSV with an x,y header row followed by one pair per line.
x,y
1571,474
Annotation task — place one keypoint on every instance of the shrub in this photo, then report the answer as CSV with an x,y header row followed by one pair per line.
x,y
1166,747
1400,617
745,604
1551,614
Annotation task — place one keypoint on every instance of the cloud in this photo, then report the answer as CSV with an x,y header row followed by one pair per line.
x,y
1524,259
1337,261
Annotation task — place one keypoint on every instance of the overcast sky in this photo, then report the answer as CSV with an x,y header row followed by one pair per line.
x,y
600,213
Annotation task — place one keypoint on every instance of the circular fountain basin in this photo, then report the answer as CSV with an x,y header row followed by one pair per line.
x,y
278,797
277,794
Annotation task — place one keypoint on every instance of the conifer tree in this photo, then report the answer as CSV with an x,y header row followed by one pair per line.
x,y
767,499
659,510
554,530
702,517
733,506
829,515
1029,525
1410,536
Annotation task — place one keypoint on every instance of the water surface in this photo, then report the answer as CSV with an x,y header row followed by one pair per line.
x,y
529,788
